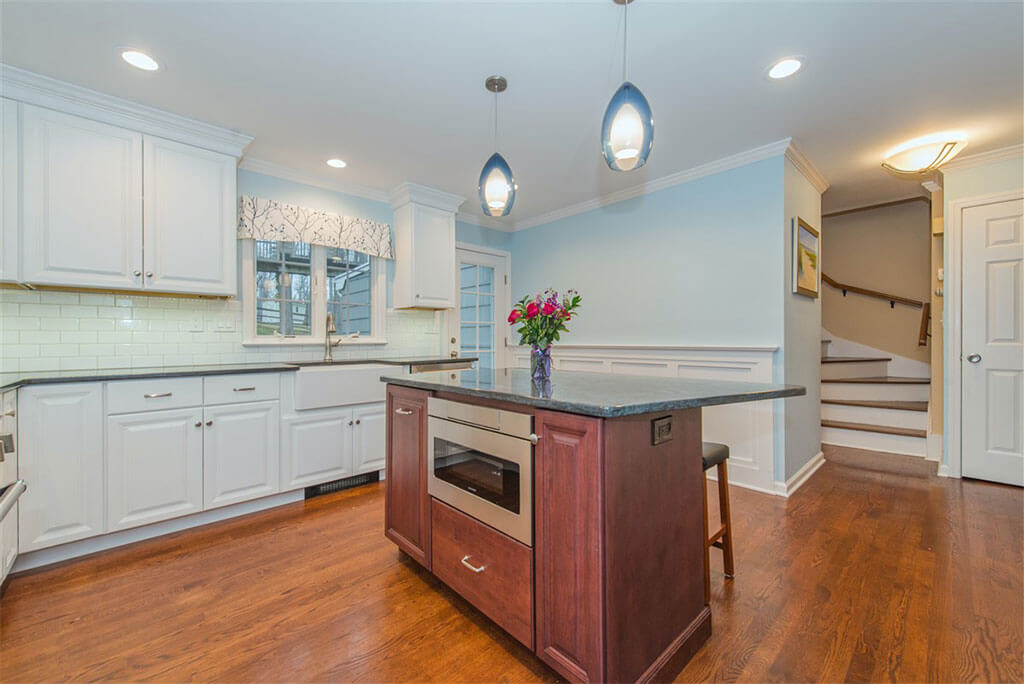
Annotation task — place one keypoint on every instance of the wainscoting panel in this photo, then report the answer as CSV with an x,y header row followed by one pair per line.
x,y
746,428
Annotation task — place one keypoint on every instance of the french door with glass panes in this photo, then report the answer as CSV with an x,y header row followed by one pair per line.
x,y
477,326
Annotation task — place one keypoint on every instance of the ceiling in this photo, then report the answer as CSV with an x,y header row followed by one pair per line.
x,y
396,88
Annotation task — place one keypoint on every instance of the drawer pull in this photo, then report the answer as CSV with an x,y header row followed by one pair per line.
x,y
465,561
406,412
157,395
244,389
9,413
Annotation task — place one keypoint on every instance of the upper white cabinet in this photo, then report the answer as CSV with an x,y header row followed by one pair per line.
x,y
103,193
188,219
60,456
424,247
81,197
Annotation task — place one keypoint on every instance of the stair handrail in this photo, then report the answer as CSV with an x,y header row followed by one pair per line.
x,y
926,307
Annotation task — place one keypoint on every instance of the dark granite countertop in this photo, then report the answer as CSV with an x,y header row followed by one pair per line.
x,y
602,395
20,379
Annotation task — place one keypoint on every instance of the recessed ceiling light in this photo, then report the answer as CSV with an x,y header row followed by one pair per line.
x,y
140,60
786,66
336,163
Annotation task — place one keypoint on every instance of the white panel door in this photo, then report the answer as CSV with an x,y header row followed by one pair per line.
x,y
369,437
189,219
81,201
9,190
992,367
478,326
60,457
241,455
316,447
154,466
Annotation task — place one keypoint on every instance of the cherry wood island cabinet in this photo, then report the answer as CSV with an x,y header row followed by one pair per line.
x,y
612,589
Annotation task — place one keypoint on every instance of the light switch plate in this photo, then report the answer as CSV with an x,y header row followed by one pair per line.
x,y
196,325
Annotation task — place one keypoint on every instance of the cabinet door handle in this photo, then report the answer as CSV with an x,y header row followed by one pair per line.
x,y
9,413
465,561
199,423
136,273
350,422
357,421
149,274
244,389
403,412
209,422
157,395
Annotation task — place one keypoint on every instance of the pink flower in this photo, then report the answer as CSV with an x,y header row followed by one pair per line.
x,y
549,309
515,315
532,309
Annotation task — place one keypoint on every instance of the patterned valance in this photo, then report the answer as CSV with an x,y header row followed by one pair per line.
x,y
263,219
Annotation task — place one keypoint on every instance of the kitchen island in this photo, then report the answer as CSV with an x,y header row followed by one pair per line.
x,y
570,512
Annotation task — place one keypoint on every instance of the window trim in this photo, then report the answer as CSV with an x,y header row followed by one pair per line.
x,y
318,304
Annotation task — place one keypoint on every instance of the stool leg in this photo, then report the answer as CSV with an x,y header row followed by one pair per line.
x,y
723,506
707,546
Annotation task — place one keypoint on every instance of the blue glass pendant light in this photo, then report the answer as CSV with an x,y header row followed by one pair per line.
x,y
627,133
497,187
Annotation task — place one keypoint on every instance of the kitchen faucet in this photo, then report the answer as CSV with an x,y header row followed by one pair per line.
x,y
328,345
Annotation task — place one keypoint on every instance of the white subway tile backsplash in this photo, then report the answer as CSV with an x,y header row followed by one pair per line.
x,y
77,311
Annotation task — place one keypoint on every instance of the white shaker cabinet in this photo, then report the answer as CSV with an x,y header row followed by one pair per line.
x,y
316,446
60,457
154,466
424,247
241,453
189,218
9,190
81,196
369,437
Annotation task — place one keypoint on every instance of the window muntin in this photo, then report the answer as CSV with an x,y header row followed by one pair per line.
x,y
284,301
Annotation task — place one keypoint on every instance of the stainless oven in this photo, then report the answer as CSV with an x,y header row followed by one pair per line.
x,y
481,462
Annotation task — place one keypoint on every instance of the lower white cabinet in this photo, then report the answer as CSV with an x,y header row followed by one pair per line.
x,y
240,452
369,437
60,457
154,466
316,446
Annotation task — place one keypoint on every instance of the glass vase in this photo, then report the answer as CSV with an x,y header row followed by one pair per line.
x,y
540,363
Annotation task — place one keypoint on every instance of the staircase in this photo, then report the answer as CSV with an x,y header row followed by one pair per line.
x,y
863,406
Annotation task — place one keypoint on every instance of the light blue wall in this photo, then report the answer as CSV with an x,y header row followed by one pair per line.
x,y
483,237
697,263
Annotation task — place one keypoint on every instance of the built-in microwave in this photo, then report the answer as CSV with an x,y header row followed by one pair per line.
x,y
481,462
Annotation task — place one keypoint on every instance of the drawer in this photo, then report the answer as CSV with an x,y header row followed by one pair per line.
x,y
235,389
502,586
130,396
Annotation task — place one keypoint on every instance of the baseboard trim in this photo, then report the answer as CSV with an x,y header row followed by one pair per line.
x,y
933,446
946,471
681,650
801,476
87,547
774,491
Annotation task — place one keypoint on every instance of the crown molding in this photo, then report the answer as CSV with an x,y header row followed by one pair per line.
x,y
768,151
485,222
805,167
1011,152
421,194
43,91
288,173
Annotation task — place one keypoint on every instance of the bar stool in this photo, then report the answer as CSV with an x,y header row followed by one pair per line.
x,y
715,455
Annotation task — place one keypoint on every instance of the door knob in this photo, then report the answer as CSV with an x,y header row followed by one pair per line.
x,y
974,358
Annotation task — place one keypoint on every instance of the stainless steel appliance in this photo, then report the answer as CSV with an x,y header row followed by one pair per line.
x,y
481,462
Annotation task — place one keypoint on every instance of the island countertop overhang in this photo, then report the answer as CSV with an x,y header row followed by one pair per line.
x,y
599,395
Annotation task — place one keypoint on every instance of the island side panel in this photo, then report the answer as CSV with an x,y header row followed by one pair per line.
x,y
567,545
406,502
654,546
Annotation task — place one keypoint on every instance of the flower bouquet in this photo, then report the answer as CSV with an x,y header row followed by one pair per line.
x,y
541,320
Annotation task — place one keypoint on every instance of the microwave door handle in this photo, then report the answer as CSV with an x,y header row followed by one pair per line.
x,y
10,497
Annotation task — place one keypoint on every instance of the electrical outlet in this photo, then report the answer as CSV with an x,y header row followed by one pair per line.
x,y
225,326
196,325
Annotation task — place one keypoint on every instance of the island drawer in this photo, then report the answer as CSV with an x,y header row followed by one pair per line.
x,y
489,569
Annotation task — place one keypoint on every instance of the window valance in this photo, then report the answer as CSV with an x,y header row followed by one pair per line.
x,y
263,219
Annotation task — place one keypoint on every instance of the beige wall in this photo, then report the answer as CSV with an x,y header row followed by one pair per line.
x,y
886,249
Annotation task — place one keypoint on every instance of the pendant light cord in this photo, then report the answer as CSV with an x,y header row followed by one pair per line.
x,y
495,120
625,37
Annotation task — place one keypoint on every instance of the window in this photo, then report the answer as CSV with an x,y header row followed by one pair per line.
x,y
290,287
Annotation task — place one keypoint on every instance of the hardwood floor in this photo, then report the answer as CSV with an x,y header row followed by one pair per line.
x,y
876,572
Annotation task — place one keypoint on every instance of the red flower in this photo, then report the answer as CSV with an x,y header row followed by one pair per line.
x,y
515,315
532,309
549,309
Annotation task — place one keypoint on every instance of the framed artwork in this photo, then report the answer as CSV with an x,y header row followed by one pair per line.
x,y
806,259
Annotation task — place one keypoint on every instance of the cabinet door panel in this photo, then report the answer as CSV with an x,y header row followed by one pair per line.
x,y
61,459
370,437
241,457
81,201
316,447
189,221
9,190
407,504
154,467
